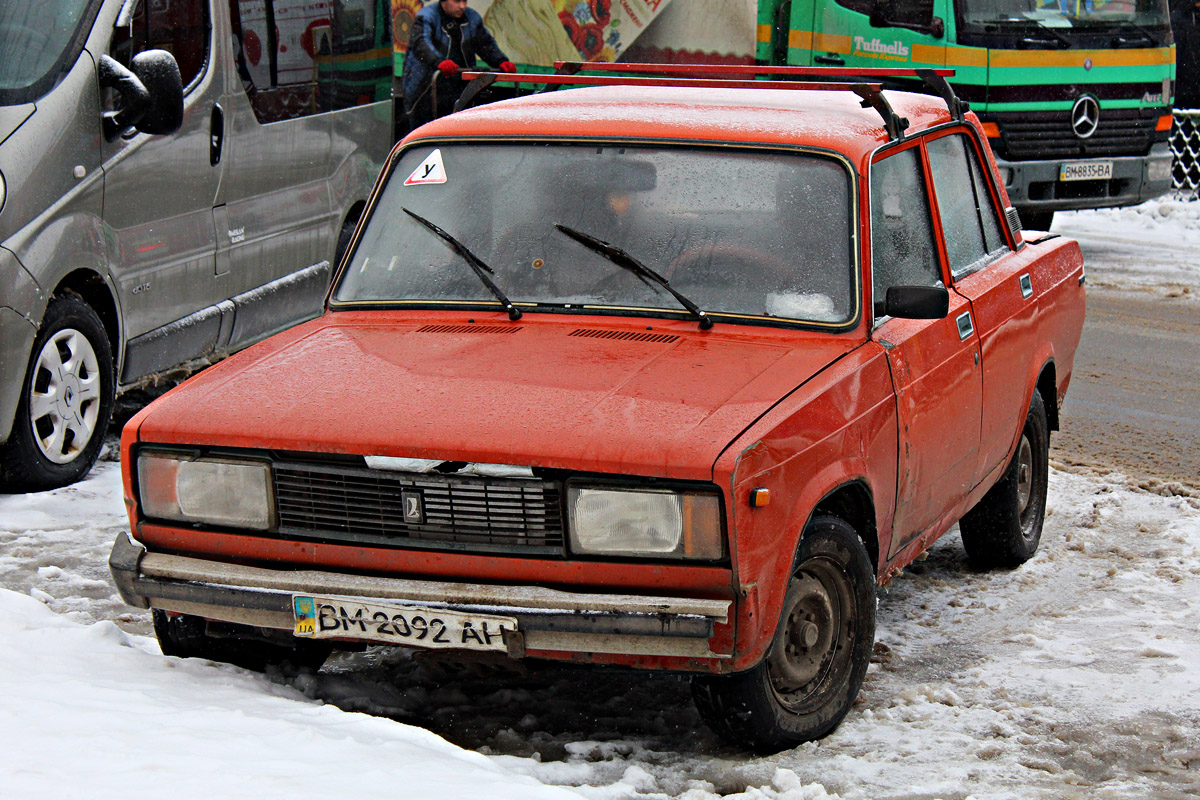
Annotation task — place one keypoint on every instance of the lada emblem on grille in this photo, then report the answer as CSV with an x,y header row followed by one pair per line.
x,y
1085,116
414,507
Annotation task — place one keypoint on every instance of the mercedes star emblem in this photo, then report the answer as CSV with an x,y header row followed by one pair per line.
x,y
1085,116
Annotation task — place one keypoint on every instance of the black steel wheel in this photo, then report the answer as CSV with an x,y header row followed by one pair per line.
x,y
187,636
817,661
66,401
1004,529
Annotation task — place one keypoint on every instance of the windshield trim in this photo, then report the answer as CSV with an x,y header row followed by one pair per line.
x,y
66,59
666,312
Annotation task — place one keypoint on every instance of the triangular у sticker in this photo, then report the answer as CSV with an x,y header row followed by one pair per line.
x,y
431,170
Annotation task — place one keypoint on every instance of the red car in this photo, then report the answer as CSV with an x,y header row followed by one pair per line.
x,y
668,377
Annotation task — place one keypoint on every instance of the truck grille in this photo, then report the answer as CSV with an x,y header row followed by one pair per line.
x,y
1048,134
367,506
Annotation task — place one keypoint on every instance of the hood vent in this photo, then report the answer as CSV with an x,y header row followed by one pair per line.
x,y
468,329
624,336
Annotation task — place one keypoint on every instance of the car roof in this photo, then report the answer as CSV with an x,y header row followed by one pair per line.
x,y
818,118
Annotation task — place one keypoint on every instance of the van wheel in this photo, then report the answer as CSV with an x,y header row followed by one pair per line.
x,y
819,657
186,636
66,401
1004,528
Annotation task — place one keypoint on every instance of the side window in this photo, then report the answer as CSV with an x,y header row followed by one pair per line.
x,y
301,57
910,13
181,27
861,6
968,216
902,247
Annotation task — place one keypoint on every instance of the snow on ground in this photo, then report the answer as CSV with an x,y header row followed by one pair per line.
x,y
1166,233
1076,676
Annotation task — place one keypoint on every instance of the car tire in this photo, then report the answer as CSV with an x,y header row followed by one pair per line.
x,y
1036,220
186,636
66,401
817,661
1003,530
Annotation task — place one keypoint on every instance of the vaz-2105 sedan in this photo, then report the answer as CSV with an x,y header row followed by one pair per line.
x,y
659,376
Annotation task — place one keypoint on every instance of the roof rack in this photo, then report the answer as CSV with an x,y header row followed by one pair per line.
x,y
836,79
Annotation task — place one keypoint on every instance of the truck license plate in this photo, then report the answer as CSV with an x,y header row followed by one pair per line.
x,y
1085,171
389,623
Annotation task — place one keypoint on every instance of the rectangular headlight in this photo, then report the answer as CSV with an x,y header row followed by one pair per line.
x,y
215,491
653,523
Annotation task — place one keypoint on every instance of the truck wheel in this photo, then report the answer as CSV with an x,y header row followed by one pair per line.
x,y
819,657
1004,528
185,636
66,401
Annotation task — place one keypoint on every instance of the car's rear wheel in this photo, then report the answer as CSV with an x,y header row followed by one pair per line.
x,y
66,401
187,636
1004,528
818,658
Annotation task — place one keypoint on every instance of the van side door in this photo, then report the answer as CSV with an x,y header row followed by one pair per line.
x,y
275,214
158,196
934,363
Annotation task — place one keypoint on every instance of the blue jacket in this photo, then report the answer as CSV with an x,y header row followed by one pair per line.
x,y
429,45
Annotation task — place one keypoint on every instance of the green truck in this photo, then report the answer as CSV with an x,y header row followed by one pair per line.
x,y
1075,95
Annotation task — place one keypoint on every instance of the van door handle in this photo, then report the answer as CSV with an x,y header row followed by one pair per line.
x,y
216,134
830,60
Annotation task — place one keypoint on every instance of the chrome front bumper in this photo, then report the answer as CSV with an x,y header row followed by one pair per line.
x,y
547,619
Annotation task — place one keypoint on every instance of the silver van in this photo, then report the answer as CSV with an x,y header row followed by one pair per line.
x,y
176,177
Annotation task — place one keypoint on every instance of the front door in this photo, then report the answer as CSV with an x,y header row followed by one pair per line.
x,y
159,190
934,363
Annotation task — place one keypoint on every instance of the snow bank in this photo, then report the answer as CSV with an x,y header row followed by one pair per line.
x,y
90,711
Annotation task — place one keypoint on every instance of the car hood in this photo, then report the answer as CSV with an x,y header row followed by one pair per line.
x,y
12,117
581,395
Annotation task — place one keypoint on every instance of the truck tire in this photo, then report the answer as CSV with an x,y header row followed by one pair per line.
x,y
816,664
1036,220
66,401
186,636
1002,531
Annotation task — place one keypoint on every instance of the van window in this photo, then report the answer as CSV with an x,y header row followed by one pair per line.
x,y
301,57
180,27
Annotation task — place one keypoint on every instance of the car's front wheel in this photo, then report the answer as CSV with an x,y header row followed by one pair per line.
x,y
66,401
818,658
187,636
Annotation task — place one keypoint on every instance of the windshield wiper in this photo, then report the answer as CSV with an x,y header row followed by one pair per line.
x,y
622,259
481,269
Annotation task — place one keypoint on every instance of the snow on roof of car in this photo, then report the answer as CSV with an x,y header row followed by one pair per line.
x,y
831,119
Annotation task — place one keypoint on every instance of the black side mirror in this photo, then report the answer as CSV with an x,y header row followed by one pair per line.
x,y
917,302
151,94
159,73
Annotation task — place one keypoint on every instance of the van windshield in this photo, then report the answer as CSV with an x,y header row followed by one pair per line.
x,y
36,40
753,234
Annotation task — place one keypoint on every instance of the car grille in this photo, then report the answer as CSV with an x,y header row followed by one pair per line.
x,y
366,506
1048,134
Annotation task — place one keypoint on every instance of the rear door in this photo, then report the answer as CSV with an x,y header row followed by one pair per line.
x,y
934,363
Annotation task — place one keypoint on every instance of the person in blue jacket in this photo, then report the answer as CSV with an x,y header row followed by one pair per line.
x,y
446,37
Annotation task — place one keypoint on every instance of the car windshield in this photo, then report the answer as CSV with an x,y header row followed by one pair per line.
x,y
34,38
1084,14
740,233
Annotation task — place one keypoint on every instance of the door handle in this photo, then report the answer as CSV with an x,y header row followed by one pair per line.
x,y
830,60
216,134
